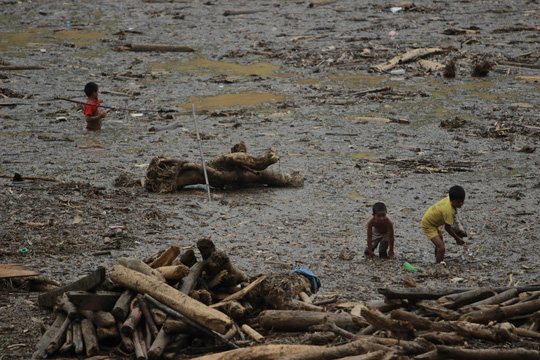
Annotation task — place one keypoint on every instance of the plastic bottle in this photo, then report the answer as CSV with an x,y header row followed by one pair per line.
x,y
68,23
397,72
409,267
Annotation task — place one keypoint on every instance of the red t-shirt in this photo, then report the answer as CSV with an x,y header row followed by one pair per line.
x,y
92,111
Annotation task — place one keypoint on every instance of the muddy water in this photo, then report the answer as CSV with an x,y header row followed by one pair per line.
x,y
347,165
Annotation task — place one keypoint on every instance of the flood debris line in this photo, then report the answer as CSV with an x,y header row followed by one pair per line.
x,y
156,48
171,303
167,174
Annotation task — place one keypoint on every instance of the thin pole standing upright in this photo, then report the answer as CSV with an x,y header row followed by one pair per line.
x,y
202,156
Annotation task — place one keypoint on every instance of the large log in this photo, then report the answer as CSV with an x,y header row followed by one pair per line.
x,y
49,336
502,312
455,301
166,174
447,352
86,283
299,320
171,297
267,352
357,347
493,300
497,333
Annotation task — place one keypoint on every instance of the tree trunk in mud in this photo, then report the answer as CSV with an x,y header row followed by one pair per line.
x,y
167,174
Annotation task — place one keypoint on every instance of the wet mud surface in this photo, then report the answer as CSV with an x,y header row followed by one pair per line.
x,y
291,77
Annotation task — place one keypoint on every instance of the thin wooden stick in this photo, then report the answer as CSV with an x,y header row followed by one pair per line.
x,y
202,156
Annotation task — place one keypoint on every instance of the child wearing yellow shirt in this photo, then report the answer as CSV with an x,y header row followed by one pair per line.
x,y
443,213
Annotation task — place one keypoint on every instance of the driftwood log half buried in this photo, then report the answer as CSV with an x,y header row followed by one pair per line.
x,y
167,174
267,352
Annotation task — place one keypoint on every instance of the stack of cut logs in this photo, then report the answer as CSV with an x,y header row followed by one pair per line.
x,y
169,304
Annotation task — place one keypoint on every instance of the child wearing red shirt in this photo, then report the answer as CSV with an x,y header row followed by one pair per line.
x,y
92,113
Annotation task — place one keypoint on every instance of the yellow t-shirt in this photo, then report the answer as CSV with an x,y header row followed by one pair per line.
x,y
439,214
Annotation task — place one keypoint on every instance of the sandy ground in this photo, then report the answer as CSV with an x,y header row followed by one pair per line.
x,y
289,77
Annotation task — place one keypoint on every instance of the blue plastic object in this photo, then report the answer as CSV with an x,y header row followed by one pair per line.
x,y
315,282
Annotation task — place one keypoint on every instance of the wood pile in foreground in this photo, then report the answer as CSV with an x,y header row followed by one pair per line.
x,y
176,306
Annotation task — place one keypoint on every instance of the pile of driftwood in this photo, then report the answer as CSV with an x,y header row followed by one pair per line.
x,y
173,304
167,174
165,305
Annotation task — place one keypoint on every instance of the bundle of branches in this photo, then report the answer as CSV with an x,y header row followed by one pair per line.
x,y
166,174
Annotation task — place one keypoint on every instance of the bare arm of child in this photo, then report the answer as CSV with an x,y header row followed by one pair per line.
x,y
449,230
391,254
370,237
98,116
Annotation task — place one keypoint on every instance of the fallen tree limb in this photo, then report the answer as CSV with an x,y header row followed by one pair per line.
x,y
498,333
49,336
455,301
502,312
409,56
